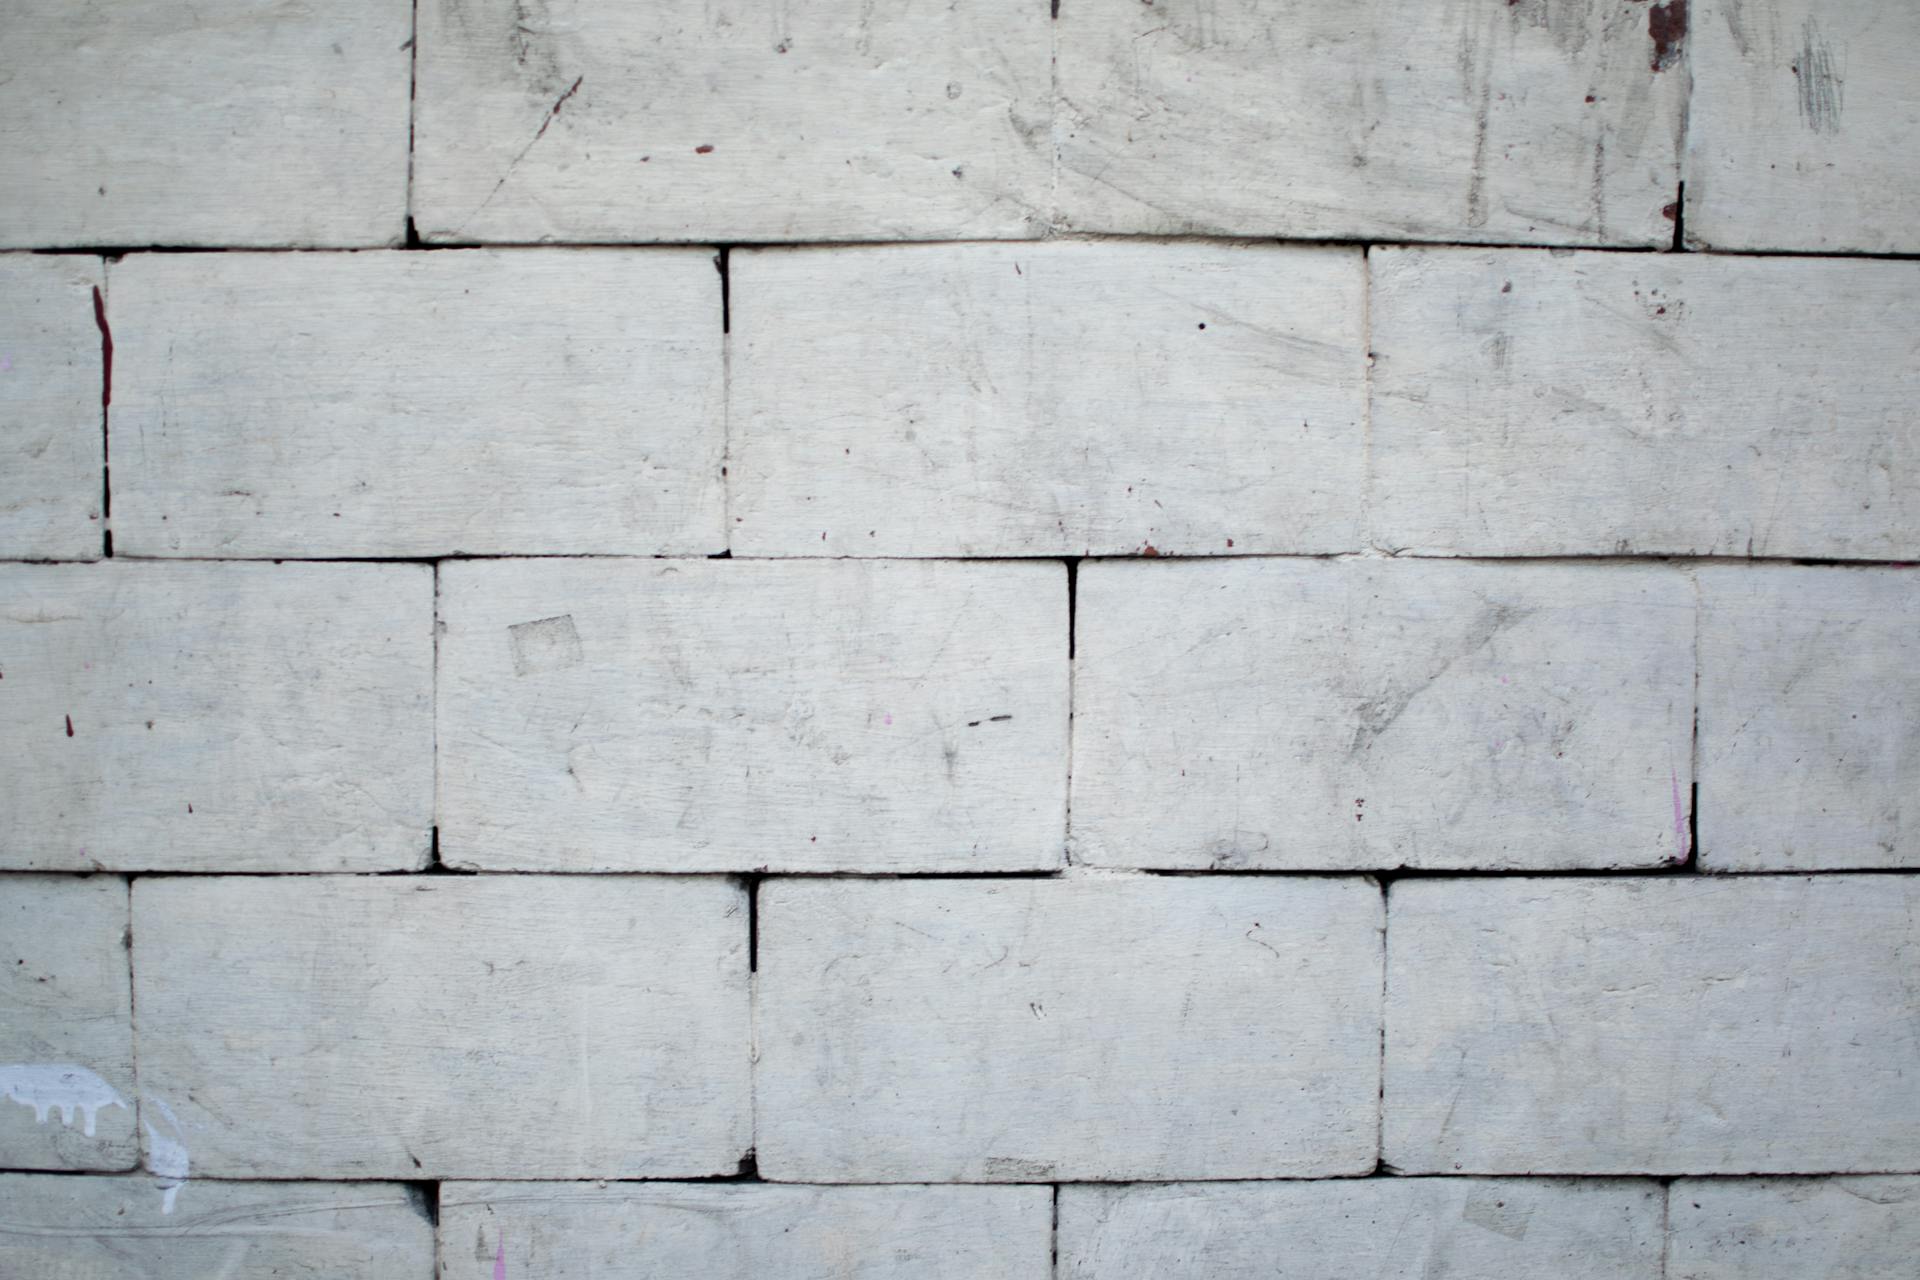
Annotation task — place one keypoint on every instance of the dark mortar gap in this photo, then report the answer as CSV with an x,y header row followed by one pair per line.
x,y
424,1197
106,415
1680,220
751,883
1073,602
722,262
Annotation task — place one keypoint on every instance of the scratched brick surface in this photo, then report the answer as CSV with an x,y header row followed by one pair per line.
x,y
1364,1229
50,384
392,1027
604,715
66,1035
1042,1030
1805,127
598,120
1527,403
216,717
1809,719
1794,1228
417,404
572,1231
64,1228
223,122
1059,399
1528,121
1292,714
1658,1026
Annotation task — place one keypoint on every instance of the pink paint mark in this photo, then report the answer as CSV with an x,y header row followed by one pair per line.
x,y
500,1259
1679,816
889,717
6,364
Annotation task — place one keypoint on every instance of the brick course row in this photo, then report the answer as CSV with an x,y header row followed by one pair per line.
x,y
1442,1229
914,716
1087,1028
591,121
1075,398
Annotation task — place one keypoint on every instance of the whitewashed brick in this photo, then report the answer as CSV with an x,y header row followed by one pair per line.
x,y
1533,403
597,120
65,1228
1064,399
1794,1229
216,717
724,715
354,1027
544,1231
1809,719
418,404
1364,1229
1804,126
1673,1025
51,447
1293,714
224,122
1067,1029
66,1030
1489,120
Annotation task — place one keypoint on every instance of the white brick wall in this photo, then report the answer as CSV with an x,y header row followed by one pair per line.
x,y
1021,638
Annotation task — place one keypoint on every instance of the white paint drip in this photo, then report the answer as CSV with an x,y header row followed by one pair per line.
x,y
166,1157
62,1087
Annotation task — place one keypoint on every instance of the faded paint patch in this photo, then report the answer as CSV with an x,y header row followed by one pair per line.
x,y
549,644
1667,25
1493,1213
167,1157
59,1086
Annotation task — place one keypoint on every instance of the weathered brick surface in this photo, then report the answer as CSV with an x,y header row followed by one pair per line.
x,y
1490,120
1035,1031
1805,126
1362,1229
1063,399
599,715
65,1228
683,120
545,1231
66,1032
1793,1228
50,384
216,717
1527,403
226,122
350,1027
418,404
1290,714
1809,719
744,741
1659,1026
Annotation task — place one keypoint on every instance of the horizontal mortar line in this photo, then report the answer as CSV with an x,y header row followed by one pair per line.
x,y
735,1180
1078,872
1598,558
1077,237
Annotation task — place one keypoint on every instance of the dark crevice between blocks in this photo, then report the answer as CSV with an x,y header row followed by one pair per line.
x,y
722,262
751,883
106,414
412,240
749,1171
435,867
1055,1241
1073,602
1680,220
424,1198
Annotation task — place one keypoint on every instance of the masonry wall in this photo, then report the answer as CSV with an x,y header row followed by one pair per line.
x,y
1130,639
